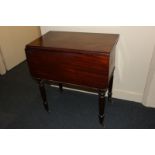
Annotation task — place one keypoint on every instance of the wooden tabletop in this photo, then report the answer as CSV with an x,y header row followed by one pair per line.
x,y
75,41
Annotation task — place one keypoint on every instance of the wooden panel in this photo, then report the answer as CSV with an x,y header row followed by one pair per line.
x,y
81,41
76,68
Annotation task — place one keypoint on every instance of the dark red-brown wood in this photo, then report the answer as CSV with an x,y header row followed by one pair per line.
x,y
82,69
84,59
76,42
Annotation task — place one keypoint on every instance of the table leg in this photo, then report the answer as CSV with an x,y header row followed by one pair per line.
x,y
101,105
110,89
60,87
43,94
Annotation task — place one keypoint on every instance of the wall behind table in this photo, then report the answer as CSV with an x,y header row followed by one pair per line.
x,y
13,40
133,55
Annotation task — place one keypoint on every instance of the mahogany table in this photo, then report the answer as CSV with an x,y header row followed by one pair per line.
x,y
75,59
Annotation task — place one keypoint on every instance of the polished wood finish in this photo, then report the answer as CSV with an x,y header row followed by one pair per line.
x,y
74,58
110,89
101,95
75,42
80,69
43,93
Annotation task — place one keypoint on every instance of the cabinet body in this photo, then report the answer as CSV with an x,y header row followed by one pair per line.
x,y
90,70
74,58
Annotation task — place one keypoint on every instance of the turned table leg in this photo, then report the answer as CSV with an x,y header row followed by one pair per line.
x,y
101,105
110,89
60,87
43,94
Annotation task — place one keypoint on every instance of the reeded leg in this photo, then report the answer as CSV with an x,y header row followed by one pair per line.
x,y
43,94
60,87
101,105
110,90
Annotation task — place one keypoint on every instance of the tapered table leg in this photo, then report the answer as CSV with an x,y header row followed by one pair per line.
x,y
110,90
43,94
101,106
60,87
